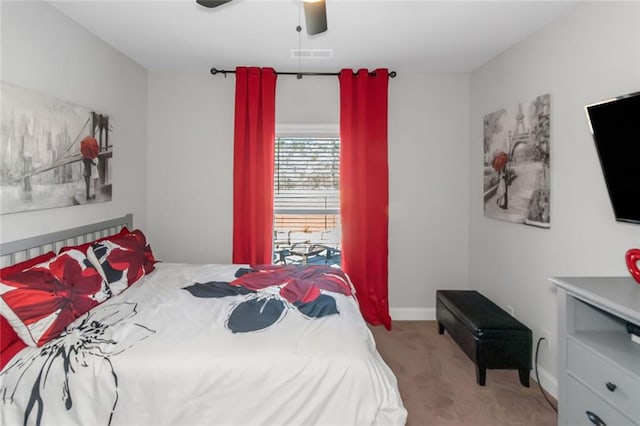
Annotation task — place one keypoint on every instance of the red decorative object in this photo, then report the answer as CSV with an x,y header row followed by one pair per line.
x,y
500,161
633,257
89,147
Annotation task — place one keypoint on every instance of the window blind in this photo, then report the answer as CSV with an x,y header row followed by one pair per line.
x,y
307,176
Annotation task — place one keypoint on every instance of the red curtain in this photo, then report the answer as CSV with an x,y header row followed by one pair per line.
x,y
364,189
253,159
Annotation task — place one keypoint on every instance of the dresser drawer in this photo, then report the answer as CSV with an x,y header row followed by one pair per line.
x,y
614,385
581,400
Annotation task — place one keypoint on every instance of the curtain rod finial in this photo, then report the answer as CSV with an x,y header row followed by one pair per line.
x,y
392,74
215,71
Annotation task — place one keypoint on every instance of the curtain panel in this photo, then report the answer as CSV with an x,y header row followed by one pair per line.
x,y
253,159
364,189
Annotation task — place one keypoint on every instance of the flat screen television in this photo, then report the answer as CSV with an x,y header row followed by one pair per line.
x,y
615,125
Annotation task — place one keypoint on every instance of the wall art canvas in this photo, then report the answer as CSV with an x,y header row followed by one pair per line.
x,y
52,153
516,163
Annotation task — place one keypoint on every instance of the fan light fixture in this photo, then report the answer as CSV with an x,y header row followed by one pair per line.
x,y
212,3
315,13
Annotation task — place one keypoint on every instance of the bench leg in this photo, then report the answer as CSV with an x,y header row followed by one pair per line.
x,y
524,376
481,375
440,328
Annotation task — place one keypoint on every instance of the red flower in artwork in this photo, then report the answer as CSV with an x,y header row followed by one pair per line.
x,y
62,288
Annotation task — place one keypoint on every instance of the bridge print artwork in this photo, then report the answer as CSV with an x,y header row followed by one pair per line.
x,y
52,153
516,163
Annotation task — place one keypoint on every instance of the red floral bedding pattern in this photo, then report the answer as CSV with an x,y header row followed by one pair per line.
x,y
271,291
122,260
42,300
89,344
10,343
108,366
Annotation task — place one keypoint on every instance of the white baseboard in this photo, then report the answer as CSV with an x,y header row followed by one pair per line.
x,y
547,381
413,314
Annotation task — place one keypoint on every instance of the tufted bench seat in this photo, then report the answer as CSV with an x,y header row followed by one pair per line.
x,y
489,336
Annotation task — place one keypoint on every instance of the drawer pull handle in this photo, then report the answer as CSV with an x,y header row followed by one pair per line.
x,y
595,419
611,386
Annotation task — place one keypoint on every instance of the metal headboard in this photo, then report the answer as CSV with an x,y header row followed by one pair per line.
x,y
16,251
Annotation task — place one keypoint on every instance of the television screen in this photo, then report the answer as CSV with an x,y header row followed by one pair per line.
x,y
615,125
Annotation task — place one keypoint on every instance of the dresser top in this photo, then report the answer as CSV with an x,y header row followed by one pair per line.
x,y
618,295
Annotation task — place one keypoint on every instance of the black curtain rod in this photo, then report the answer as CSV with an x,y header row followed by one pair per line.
x,y
215,71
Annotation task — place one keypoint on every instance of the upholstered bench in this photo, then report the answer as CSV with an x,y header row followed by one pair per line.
x,y
489,336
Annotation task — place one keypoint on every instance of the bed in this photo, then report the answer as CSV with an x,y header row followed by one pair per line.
x,y
180,344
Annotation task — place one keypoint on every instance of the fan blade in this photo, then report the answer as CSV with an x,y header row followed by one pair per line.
x,y
212,3
315,15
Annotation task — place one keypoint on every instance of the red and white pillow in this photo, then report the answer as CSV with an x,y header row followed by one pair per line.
x,y
41,300
122,260
40,297
10,343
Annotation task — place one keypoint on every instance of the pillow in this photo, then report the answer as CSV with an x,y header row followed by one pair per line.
x,y
9,352
122,261
10,343
8,336
39,302
84,247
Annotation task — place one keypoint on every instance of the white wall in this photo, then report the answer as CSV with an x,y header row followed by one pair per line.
x,y
190,166
428,190
589,55
45,51
190,179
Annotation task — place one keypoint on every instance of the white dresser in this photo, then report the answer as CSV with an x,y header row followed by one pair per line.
x,y
599,364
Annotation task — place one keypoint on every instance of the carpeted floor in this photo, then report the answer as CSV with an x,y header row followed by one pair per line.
x,y
438,382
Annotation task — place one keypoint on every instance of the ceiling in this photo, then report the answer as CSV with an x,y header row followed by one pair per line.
x,y
402,35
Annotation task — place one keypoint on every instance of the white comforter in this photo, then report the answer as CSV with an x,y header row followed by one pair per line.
x,y
158,355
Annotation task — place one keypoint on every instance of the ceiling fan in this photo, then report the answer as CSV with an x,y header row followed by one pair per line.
x,y
315,13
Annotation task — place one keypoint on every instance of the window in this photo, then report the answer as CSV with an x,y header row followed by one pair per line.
x,y
307,200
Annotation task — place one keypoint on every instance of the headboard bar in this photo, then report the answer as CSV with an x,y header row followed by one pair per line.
x,y
34,246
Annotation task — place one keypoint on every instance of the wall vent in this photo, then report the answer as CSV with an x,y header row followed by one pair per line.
x,y
312,53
